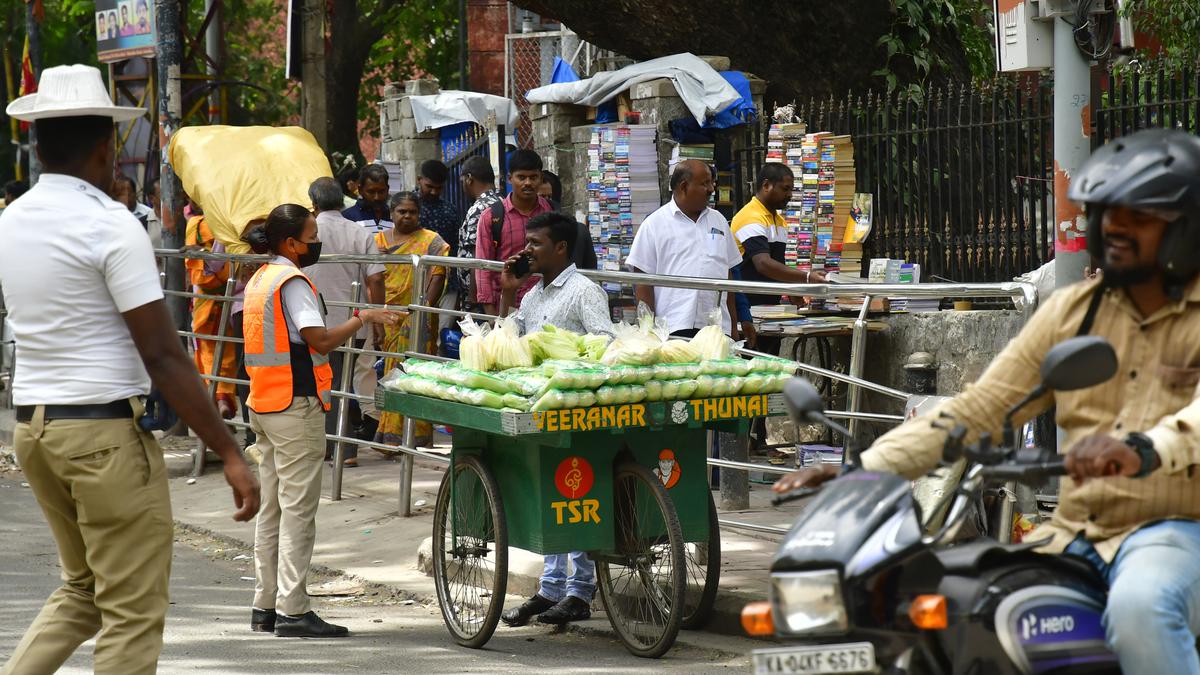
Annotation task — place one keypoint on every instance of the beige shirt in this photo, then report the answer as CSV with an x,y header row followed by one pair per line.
x,y
334,280
1154,392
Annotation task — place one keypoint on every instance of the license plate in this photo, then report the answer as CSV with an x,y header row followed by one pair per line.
x,y
856,657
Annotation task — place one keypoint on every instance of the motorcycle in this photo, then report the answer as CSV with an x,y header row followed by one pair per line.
x,y
859,585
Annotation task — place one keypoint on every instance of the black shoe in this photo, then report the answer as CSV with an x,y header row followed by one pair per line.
x,y
262,620
531,608
569,609
310,625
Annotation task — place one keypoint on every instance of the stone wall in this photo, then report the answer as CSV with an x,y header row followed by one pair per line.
x,y
962,343
552,124
400,142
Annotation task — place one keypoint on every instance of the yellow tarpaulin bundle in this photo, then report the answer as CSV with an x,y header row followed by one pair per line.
x,y
238,174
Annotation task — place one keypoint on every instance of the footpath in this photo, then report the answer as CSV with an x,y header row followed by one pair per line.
x,y
363,536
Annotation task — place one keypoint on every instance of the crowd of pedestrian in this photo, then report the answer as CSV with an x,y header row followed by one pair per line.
x,y
292,313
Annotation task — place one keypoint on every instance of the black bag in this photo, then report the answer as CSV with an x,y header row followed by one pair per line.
x,y
585,250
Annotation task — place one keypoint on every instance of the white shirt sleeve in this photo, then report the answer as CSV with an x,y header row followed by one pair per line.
x,y
643,254
128,265
733,257
300,303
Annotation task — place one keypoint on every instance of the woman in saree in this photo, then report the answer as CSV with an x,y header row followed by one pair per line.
x,y
407,237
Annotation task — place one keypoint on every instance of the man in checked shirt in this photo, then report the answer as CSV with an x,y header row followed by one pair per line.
x,y
1133,507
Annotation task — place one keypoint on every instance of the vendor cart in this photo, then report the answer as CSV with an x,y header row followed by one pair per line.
x,y
626,483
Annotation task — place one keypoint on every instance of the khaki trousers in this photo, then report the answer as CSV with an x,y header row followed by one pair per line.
x,y
292,443
102,485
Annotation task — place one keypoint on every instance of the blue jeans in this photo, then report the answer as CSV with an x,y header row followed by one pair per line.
x,y
1153,611
555,584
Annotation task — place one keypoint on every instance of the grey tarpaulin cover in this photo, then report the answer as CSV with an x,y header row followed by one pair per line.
x,y
452,107
702,88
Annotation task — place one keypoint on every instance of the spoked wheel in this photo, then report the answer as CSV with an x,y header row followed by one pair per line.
x,y
470,556
642,583
703,573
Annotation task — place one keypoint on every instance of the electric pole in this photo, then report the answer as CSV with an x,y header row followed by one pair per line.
x,y
168,57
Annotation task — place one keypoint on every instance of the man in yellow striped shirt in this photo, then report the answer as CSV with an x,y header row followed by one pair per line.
x,y
762,234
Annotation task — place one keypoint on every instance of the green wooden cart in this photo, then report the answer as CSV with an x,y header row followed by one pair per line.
x,y
626,483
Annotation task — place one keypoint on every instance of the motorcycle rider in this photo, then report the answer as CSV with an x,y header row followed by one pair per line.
x,y
1137,437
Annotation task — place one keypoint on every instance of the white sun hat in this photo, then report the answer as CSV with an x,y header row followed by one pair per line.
x,y
70,91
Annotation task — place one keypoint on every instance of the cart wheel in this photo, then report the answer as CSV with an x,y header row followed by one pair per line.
x,y
642,583
470,559
703,573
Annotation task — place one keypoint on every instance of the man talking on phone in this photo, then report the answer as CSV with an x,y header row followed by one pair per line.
x,y
568,300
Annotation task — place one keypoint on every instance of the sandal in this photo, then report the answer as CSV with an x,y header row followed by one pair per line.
x,y
350,461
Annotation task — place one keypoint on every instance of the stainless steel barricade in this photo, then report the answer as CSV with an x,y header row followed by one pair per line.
x,y
1023,295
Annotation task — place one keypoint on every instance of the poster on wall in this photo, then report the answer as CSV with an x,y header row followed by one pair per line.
x,y
124,29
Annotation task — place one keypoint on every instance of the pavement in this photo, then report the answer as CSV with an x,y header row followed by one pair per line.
x,y
207,632
363,535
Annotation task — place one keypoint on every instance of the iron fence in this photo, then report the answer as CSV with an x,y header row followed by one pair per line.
x,y
1135,98
963,179
467,141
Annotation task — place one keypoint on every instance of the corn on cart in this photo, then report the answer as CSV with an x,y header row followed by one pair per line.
x,y
626,483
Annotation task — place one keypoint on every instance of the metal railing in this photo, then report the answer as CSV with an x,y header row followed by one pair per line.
x,y
1023,296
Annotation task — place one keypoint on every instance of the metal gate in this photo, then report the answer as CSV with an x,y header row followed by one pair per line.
x,y
464,141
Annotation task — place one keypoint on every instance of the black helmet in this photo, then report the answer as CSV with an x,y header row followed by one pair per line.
x,y
1152,169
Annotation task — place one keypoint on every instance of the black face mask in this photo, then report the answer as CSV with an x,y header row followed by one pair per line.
x,y
310,256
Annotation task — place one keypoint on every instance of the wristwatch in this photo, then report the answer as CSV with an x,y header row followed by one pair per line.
x,y
1144,447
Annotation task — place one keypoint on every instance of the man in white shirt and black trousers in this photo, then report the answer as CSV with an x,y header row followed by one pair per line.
x,y
92,333
685,238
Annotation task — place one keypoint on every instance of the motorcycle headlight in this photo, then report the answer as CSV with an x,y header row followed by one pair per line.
x,y
808,602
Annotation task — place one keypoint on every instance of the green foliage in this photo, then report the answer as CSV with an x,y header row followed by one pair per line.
x,y
255,54
420,40
910,51
1175,24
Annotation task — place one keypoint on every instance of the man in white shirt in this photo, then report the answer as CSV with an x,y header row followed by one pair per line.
x,y
333,280
92,333
686,238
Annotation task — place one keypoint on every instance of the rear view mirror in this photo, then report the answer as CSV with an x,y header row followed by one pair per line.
x,y
1079,363
802,398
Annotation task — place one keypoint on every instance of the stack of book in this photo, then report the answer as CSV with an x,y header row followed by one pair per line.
x,y
835,195
890,271
704,152
622,190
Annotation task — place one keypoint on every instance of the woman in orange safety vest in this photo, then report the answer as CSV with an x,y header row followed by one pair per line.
x,y
286,348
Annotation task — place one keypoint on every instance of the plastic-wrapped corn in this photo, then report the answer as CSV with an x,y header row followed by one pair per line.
x,y
505,347
654,390
592,347
679,351
516,402
553,343
770,364
472,349
524,381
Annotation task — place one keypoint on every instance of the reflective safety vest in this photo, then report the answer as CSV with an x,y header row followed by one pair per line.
x,y
279,369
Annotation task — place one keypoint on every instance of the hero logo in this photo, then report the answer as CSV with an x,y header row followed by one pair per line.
x,y
1032,626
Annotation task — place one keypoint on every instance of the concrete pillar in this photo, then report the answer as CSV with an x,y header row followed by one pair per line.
x,y
400,141
1072,146
552,123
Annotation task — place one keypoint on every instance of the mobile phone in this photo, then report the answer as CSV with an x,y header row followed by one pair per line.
x,y
521,266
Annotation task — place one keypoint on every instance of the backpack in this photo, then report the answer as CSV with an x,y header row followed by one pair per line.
x,y
585,252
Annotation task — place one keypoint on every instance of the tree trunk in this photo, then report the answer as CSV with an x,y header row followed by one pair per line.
x,y
351,37
315,91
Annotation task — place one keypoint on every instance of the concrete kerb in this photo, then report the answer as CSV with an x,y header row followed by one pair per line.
x,y
363,538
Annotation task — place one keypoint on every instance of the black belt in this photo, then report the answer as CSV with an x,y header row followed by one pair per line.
x,y
91,411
